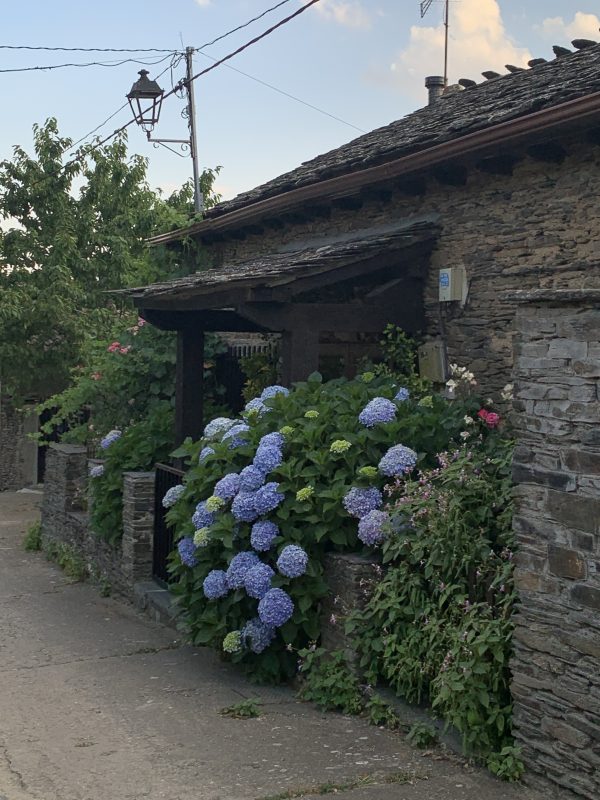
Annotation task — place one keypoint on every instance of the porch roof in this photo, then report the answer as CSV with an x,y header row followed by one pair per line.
x,y
277,277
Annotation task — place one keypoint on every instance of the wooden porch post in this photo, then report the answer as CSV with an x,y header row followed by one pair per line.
x,y
300,354
189,384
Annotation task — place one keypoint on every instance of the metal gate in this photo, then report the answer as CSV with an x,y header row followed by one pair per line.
x,y
166,477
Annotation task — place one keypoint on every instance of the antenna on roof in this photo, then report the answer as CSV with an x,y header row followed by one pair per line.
x,y
425,6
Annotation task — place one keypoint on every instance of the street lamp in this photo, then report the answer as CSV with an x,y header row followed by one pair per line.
x,y
144,90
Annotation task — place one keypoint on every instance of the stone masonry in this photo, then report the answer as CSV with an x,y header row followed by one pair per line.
x,y
65,519
535,228
556,666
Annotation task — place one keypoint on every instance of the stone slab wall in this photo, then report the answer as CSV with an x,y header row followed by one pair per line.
x,y
65,519
536,228
11,432
556,666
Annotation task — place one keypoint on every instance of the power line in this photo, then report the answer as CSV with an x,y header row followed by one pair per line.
x,y
49,67
180,85
86,49
286,94
244,25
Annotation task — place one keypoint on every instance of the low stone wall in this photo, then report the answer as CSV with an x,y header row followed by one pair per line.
x,y
65,519
556,666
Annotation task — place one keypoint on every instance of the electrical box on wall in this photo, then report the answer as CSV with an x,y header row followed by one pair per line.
x,y
432,361
453,285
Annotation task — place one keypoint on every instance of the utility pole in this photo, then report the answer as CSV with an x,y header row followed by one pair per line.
x,y
191,114
145,90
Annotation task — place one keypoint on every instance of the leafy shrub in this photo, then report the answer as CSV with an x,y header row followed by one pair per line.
x,y
438,623
422,735
32,541
321,451
245,709
137,449
123,379
329,683
68,559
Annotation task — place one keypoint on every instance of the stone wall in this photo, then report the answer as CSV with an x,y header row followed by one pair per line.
x,y
65,519
11,430
536,228
556,666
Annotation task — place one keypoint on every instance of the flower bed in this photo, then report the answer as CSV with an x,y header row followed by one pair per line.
x,y
268,495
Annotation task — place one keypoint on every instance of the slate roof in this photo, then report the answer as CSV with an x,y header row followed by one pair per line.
x,y
503,98
288,265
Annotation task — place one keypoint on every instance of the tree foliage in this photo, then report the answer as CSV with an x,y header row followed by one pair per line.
x,y
73,231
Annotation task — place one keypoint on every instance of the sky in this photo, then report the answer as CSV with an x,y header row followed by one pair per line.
x,y
363,61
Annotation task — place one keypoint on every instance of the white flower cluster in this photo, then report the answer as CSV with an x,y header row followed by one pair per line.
x,y
460,378
507,393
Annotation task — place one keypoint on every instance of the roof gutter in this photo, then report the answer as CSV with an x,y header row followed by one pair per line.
x,y
571,114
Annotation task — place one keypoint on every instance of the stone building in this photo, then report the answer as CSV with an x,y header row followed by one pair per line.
x,y
449,221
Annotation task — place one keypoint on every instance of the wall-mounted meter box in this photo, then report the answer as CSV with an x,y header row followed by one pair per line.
x,y
453,285
432,361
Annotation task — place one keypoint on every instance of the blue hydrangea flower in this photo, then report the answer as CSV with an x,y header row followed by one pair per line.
x,y
203,518
251,479
227,487
256,635
402,395
397,461
271,391
235,435
378,411
96,471
243,507
205,453
359,502
215,584
172,495
370,527
187,551
268,457
258,580
275,608
262,535
217,427
239,566
267,498
277,439
110,437
292,561
256,405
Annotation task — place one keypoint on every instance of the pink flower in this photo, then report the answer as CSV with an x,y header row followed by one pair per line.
x,y
112,348
490,418
125,350
141,322
95,376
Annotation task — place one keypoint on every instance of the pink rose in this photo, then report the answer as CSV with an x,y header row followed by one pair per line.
x,y
96,376
492,420
483,414
125,350
141,322
112,348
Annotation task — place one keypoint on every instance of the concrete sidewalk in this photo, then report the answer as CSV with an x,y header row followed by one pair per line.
x,y
97,702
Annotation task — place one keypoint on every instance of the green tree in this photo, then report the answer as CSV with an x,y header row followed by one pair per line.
x,y
76,229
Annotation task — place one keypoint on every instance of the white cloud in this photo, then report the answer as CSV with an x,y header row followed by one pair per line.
x,y
345,12
582,26
203,3
478,41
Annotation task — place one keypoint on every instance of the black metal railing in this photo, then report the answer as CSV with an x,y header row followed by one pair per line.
x,y
166,478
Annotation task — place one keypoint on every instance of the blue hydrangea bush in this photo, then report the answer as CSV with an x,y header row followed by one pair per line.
x,y
303,472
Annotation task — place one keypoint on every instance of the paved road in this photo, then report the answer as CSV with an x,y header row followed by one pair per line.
x,y
97,702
